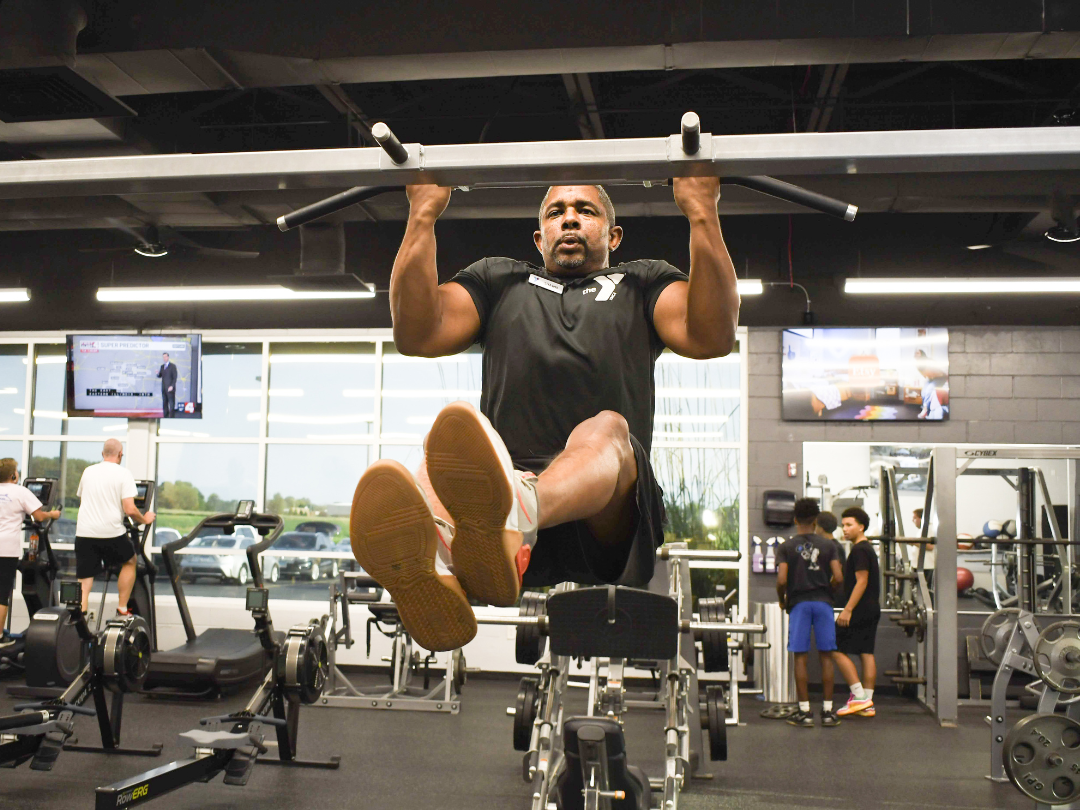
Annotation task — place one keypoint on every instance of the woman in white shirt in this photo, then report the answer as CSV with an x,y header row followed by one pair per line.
x,y
15,503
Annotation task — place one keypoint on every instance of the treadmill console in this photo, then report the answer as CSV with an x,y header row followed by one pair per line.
x,y
245,509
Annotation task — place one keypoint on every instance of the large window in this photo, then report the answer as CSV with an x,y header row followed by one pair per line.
x,y
415,389
294,423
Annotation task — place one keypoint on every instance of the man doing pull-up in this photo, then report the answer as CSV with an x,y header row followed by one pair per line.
x,y
551,480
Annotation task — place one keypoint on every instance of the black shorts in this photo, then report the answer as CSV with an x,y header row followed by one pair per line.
x,y
92,552
8,567
570,552
858,637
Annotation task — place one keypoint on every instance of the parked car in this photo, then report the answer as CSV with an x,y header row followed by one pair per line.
x,y
331,530
350,563
162,535
309,567
224,567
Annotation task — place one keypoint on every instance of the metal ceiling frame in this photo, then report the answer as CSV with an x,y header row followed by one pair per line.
x,y
614,161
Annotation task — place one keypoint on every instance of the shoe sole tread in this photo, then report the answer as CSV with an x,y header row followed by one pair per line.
x,y
469,479
394,539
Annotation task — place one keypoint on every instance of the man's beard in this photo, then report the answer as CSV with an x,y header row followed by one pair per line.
x,y
572,262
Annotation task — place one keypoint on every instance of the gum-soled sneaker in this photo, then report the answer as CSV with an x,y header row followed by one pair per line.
x,y
493,505
869,711
394,538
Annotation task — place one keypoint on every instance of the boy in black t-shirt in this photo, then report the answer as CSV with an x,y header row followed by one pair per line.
x,y
858,621
806,573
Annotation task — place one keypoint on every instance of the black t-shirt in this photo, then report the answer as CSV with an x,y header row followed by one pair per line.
x,y
559,350
809,560
863,558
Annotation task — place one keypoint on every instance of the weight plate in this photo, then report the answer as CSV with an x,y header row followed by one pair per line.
x,y
717,708
529,643
525,712
920,630
1057,657
1042,757
996,632
122,653
780,711
714,651
901,669
459,669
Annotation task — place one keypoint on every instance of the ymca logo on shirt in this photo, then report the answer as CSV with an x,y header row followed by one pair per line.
x,y
606,290
809,552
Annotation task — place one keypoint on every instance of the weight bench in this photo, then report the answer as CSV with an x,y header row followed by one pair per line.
x,y
581,761
357,588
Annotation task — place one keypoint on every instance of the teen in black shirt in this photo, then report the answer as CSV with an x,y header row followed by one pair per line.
x,y
569,349
858,621
806,573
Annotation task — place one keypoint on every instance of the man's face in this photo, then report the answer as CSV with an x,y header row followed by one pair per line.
x,y
574,237
852,529
165,358
916,518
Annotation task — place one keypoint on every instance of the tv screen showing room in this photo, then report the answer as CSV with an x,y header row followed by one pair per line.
x,y
893,374
135,375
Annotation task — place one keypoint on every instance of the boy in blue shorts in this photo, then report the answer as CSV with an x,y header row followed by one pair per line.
x,y
807,571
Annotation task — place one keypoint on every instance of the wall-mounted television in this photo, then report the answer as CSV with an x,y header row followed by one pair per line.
x,y
135,375
893,374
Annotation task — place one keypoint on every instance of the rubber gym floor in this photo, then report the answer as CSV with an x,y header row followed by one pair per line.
x,y
900,759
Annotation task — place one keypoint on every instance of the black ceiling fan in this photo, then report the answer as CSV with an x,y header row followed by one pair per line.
x,y
156,241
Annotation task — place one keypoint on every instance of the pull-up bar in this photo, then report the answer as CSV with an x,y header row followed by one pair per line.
x,y
690,139
499,165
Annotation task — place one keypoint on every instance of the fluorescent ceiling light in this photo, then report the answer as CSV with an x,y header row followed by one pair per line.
x,y
152,251
169,295
978,247
433,393
14,295
9,390
750,286
51,359
115,428
944,286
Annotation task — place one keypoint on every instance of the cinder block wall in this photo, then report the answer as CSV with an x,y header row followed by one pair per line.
x,y
1006,386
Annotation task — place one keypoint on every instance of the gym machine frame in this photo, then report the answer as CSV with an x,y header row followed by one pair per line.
x,y
356,588
942,677
119,658
679,697
296,677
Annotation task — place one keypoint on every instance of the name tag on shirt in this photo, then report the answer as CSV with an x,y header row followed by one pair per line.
x,y
547,284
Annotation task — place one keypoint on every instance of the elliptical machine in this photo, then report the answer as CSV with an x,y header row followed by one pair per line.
x,y
55,653
38,569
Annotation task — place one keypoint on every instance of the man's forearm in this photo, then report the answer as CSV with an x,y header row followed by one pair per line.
x,y
414,285
712,309
856,594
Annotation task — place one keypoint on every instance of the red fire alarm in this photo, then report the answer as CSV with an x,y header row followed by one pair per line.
x,y
792,470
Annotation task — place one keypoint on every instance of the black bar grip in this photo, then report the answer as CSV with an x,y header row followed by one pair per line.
x,y
331,205
56,707
34,718
389,142
691,133
796,194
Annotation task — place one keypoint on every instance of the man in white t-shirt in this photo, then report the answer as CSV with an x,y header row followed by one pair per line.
x,y
15,503
108,494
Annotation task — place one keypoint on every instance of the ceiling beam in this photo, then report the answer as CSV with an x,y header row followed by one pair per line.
x,y
579,89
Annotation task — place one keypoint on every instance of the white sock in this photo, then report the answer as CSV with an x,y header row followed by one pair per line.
x,y
804,705
869,694
857,691
826,705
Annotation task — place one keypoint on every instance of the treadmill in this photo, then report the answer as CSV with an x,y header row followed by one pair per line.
x,y
219,659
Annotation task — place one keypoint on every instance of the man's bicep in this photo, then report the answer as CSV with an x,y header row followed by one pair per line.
x,y
129,506
459,322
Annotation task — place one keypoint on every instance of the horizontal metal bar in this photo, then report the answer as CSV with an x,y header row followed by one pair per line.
x,y
629,160
685,625
664,553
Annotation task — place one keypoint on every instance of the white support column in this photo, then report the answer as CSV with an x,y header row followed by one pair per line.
x,y
944,631
28,408
141,453
264,413
744,473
